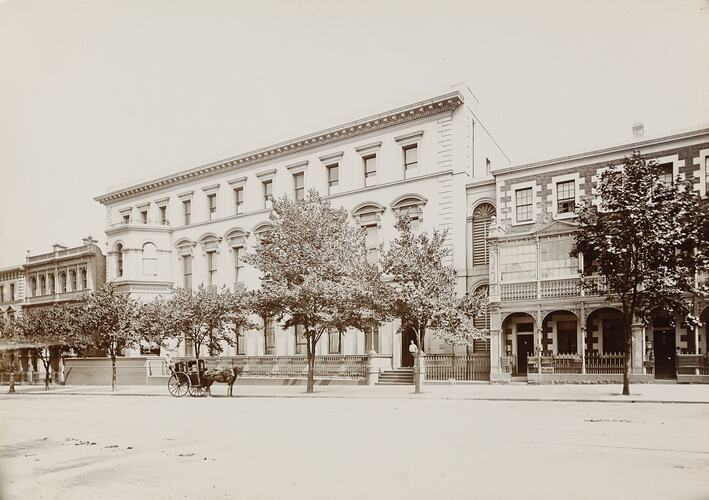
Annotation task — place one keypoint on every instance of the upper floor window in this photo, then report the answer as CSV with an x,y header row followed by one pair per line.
x,y
299,185
187,271
333,175
706,169
144,216
163,214
84,279
211,268
12,291
187,209
267,193
126,218
370,166
482,215
62,282
2,297
565,197
411,157
239,200
212,205
150,259
665,173
119,260
413,207
334,338
523,198
488,166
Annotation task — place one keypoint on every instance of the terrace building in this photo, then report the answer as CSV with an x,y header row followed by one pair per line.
x,y
12,291
539,309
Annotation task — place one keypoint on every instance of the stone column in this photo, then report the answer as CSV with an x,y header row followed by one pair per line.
x,y
638,348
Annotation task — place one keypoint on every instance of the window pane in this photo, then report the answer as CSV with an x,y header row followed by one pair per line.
x,y
555,261
518,263
370,166
666,173
333,174
566,196
523,198
411,156
334,344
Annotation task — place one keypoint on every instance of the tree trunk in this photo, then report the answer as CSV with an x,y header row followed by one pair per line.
x,y
113,372
311,365
12,381
628,337
47,373
417,364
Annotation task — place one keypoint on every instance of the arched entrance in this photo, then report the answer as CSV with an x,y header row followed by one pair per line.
x,y
561,333
518,330
604,332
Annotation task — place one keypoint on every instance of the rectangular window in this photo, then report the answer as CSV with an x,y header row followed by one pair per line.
x,y
267,193
211,268
144,216
566,337
334,338
666,173
565,197
518,262
237,264
239,200
240,343
371,240
163,215
12,292
488,166
333,175
269,336
212,205
523,199
187,272
706,169
370,166
555,260
126,218
187,208
613,336
411,157
301,346
2,299
299,186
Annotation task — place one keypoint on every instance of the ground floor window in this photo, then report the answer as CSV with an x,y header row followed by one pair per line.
x,y
613,335
334,338
269,335
566,337
301,346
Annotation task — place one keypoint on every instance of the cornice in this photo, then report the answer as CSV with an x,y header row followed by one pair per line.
x,y
437,105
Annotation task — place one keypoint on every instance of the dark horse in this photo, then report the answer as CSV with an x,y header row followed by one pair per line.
x,y
223,375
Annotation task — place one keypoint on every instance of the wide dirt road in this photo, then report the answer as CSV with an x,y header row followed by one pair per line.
x,y
95,447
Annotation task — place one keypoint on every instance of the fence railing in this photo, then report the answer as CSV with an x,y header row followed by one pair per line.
x,y
693,364
326,366
606,363
556,289
450,367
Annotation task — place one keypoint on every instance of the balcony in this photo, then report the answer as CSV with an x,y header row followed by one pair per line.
x,y
60,254
136,222
553,289
56,297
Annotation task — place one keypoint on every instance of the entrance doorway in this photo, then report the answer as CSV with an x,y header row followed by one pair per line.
x,y
525,347
665,353
407,359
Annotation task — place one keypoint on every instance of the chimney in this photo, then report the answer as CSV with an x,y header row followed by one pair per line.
x,y
89,240
638,130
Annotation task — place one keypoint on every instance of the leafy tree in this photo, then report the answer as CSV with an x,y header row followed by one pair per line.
x,y
647,239
204,317
8,361
315,272
423,287
107,321
49,332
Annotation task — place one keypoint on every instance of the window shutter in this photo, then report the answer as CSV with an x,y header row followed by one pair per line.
x,y
481,224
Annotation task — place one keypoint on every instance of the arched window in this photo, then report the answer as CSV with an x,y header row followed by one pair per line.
x,y
84,279
482,321
481,227
119,260
369,217
413,206
150,259
62,282
262,229
33,287
184,250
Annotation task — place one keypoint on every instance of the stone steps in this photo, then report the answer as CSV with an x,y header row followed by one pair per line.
x,y
401,376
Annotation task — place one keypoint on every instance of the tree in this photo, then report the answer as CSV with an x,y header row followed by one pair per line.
x,y
107,321
315,272
424,289
47,332
646,238
8,361
204,317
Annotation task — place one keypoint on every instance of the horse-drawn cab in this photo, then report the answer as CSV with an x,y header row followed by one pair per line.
x,y
191,377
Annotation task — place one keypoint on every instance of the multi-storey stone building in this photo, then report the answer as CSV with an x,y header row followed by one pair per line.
x,y
538,304
12,290
64,274
195,226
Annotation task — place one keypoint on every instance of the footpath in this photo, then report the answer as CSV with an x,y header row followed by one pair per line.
x,y
601,393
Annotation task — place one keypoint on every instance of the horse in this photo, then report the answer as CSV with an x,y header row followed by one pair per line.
x,y
223,375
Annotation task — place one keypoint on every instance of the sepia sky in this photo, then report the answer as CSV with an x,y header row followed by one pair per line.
x,y
95,94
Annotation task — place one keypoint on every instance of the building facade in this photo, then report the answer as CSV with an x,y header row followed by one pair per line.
x,y
12,291
539,307
194,227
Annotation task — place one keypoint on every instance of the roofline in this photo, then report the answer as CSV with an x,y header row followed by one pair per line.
x,y
420,109
687,134
19,267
